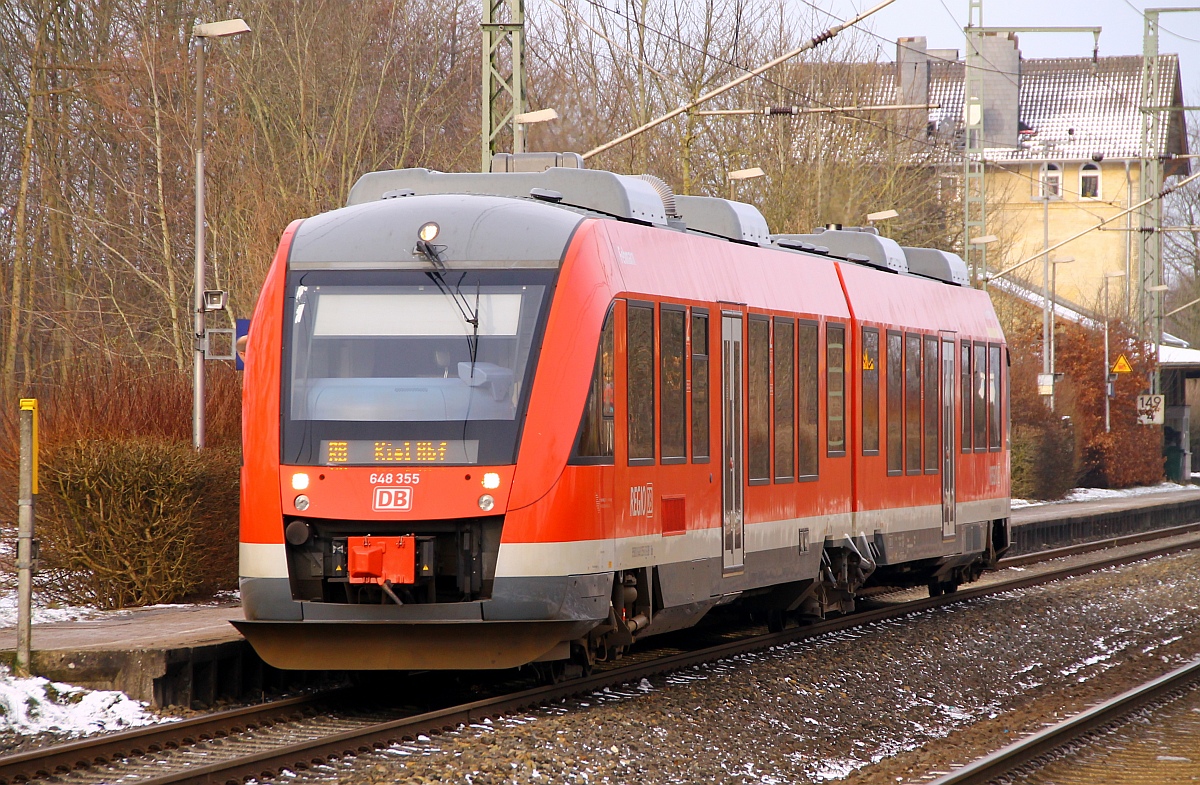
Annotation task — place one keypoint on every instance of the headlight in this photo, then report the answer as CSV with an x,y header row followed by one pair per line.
x,y
486,502
491,481
301,502
299,481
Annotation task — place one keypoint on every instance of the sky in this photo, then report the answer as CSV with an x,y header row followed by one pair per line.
x,y
941,22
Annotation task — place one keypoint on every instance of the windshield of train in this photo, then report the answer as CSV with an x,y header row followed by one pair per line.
x,y
410,367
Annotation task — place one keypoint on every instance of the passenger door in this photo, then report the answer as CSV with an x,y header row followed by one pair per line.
x,y
949,429
732,451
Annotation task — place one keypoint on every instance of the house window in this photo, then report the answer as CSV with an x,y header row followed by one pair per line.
x,y
1051,181
1089,182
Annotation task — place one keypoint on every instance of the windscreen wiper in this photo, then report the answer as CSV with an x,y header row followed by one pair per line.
x,y
470,315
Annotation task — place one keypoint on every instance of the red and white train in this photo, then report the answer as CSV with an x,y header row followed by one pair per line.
x,y
493,419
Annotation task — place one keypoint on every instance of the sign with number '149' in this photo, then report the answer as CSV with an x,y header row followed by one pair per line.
x,y
1150,409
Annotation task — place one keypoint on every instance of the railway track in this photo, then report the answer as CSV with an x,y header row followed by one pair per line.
x,y
1039,746
297,733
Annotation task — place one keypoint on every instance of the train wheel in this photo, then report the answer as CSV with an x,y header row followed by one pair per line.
x,y
936,589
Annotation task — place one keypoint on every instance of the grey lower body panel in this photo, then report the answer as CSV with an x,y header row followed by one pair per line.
x,y
524,619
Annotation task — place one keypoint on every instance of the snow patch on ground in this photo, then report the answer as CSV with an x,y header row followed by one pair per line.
x,y
37,705
1093,494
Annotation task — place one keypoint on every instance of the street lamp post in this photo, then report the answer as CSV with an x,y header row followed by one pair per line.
x,y
201,32
1107,367
742,174
1156,339
528,118
1054,263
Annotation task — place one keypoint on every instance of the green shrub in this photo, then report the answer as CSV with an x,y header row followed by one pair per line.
x,y
1044,461
137,522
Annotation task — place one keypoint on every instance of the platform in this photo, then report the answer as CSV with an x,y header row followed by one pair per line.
x,y
181,655
192,656
1059,524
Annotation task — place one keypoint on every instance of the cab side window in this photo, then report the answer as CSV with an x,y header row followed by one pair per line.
x,y
596,430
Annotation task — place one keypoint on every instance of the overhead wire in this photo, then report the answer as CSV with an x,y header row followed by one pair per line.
x,y
933,145
1142,14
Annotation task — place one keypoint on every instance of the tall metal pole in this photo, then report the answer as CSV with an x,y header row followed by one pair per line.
x,y
1053,296
974,195
1107,366
497,81
1046,328
198,278
26,491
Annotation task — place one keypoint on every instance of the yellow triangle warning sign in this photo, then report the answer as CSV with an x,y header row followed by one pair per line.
x,y
1122,365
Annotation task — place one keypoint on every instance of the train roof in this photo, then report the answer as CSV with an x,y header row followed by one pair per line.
x,y
555,193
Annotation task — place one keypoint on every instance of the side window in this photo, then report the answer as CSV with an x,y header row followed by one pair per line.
x,y
932,398
1089,181
835,389
807,412
785,400
980,384
912,403
639,319
966,394
758,399
596,430
1051,182
895,403
700,386
995,401
870,391
672,397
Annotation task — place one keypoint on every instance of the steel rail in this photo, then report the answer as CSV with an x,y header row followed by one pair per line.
x,y
1096,545
46,761
304,754
1045,742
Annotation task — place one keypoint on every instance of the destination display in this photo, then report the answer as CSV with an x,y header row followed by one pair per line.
x,y
368,452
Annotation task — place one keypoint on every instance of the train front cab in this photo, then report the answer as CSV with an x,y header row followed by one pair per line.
x,y
385,401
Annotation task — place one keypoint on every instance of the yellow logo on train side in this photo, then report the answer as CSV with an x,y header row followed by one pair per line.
x,y
1122,365
868,363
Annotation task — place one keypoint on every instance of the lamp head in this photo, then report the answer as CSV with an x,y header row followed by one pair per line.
x,y
220,29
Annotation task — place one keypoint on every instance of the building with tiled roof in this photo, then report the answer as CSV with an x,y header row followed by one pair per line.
x,y
1065,128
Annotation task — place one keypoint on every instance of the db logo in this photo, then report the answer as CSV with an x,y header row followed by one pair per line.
x,y
393,499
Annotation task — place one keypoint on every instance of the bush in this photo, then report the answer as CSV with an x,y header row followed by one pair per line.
x,y
118,471
1044,462
138,522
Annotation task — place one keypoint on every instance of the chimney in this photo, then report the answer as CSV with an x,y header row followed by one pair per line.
x,y
912,81
1001,88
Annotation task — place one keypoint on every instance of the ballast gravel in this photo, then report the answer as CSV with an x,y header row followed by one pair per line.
x,y
883,703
